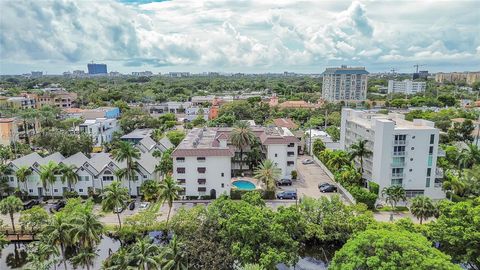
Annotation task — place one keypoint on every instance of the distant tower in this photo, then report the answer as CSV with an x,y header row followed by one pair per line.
x,y
97,69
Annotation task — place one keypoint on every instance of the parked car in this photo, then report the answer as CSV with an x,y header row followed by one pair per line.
x,y
323,184
143,206
283,182
131,205
117,210
287,194
307,161
30,204
328,188
57,206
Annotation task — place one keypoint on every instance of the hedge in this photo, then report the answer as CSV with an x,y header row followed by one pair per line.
x,y
373,187
362,195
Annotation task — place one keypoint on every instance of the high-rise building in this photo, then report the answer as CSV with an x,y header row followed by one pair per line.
x,y
95,69
422,74
404,153
345,84
407,87
37,74
467,77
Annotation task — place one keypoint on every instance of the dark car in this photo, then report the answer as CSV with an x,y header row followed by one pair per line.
x,y
328,188
30,204
131,205
284,182
58,206
287,195
323,184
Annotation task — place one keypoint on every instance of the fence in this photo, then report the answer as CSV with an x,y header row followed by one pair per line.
x,y
342,190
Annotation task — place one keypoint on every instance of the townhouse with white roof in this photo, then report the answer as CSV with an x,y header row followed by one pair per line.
x,y
204,162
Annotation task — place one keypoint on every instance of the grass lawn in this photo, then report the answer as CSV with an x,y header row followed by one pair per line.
x,y
390,209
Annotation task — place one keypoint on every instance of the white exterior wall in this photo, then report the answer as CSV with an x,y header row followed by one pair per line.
x,y
215,166
406,87
278,154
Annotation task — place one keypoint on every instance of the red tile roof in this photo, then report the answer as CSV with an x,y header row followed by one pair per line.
x,y
285,122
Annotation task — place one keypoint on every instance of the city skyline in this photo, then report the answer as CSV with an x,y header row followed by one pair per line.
x,y
248,37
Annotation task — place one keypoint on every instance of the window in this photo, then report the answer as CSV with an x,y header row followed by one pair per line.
x,y
107,172
222,174
398,161
276,155
181,170
413,148
427,182
144,176
108,178
202,181
430,161
437,182
291,144
202,189
410,193
180,159
11,178
429,171
432,138
397,182
30,190
290,154
290,163
201,169
201,159
430,150
223,185
55,190
181,181
80,190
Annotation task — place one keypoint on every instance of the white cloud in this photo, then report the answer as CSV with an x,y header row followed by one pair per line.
x,y
236,35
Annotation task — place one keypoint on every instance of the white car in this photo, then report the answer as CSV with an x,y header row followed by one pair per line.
x,y
307,161
144,205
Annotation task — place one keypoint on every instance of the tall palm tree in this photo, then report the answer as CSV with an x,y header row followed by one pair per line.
x,y
119,260
266,173
27,116
10,206
172,257
86,229
336,160
454,184
125,151
359,150
469,156
84,258
22,175
241,137
144,254
393,195
422,208
69,174
115,197
57,232
168,193
47,175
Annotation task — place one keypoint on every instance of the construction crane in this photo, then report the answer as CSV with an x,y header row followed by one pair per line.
x,y
417,66
393,71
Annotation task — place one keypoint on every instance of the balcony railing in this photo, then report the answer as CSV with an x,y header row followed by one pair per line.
x,y
398,175
398,164
399,153
400,142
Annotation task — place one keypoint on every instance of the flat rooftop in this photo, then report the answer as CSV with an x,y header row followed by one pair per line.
x,y
367,119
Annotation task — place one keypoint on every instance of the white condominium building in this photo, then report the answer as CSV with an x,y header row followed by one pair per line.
x,y
345,84
404,152
203,163
407,87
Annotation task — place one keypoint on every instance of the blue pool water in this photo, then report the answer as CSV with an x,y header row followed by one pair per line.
x,y
244,185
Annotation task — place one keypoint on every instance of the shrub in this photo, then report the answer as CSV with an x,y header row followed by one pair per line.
x,y
373,187
191,197
205,197
236,194
294,174
70,194
268,195
362,195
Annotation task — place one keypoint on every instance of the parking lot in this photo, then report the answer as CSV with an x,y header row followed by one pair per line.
x,y
309,177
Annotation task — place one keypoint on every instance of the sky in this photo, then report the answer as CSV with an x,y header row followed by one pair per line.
x,y
238,36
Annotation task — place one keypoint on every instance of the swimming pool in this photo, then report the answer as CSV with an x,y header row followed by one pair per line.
x,y
244,185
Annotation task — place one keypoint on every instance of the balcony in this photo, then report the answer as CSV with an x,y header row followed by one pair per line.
x,y
398,164
398,175
397,154
400,142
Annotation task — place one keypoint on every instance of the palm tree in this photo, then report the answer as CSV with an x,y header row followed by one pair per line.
x,y
469,156
10,206
168,193
336,160
84,258
172,257
22,175
69,174
27,116
115,197
86,229
241,137
393,195
266,173
125,151
57,232
422,208
359,150
119,260
47,175
453,183
144,254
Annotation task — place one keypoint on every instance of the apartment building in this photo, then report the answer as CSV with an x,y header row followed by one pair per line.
x,y
20,102
404,152
407,87
345,84
59,98
15,130
101,130
204,162
467,77
94,174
